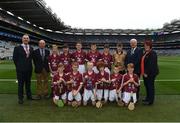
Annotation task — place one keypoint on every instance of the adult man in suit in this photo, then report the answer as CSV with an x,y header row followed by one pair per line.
x,y
40,58
134,56
22,57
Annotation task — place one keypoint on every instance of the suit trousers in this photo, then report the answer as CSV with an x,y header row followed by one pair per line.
x,y
24,78
150,88
42,83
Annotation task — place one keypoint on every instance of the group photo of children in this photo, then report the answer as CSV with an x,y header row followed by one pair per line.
x,y
98,78
91,77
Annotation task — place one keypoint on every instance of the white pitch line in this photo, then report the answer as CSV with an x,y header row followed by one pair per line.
x,y
158,80
11,80
166,80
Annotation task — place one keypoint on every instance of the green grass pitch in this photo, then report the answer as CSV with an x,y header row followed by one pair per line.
x,y
166,107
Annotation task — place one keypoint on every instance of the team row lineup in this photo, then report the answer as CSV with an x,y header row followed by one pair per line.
x,y
87,76
95,87
82,57
96,83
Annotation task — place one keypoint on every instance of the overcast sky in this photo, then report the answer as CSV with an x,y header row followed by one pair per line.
x,y
116,14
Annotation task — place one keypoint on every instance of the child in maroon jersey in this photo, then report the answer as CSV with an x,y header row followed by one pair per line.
x,y
79,56
106,57
130,84
102,84
94,56
115,79
89,84
59,84
65,58
53,60
75,85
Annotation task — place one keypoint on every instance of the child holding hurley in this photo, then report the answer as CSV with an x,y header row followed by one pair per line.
x,y
59,85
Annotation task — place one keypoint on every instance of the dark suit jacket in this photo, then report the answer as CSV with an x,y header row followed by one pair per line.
x,y
150,64
21,62
38,62
135,59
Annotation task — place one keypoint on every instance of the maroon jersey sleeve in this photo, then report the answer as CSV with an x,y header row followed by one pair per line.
x,y
85,57
106,85
73,55
55,78
77,80
58,88
103,85
130,87
112,84
54,61
107,59
49,58
99,56
79,57
117,83
80,78
88,56
98,78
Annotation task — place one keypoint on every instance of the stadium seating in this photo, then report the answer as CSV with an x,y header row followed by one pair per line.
x,y
12,29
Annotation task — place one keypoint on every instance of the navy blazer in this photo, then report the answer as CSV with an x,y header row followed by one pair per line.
x,y
38,62
151,64
21,62
135,59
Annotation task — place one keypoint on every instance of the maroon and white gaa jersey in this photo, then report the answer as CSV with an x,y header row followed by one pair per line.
x,y
130,87
56,86
66,60
79,57
106,77
107,59
89,80
77,80
93,57
54,61
117,83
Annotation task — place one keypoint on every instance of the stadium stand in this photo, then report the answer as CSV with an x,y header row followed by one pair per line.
x,y
35,18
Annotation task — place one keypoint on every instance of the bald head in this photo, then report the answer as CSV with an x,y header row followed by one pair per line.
x,y
42,44
133,43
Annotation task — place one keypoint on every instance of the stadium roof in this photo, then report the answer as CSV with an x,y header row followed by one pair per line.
x,y
35,12
172,27
110,31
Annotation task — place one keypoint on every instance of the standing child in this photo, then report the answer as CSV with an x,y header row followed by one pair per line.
x,y
107,58
65,58
53,61
94,56
119,57
79,56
